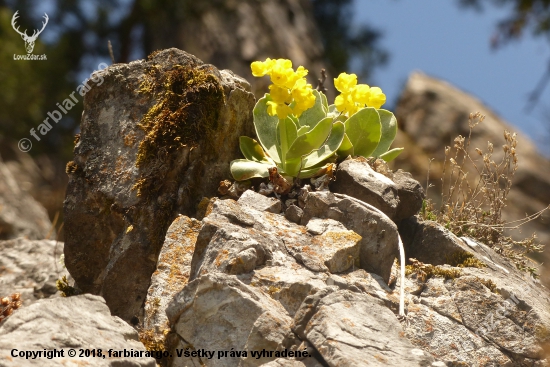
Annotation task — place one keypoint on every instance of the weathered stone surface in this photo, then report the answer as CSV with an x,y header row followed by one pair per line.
x,y
410,193
334,248
217,312
79,322
294,214
350,329
491,307
157,136
170,277
30,268
379,244
236,240
431,243
450,341
356,178
288,286
260,202
20,214
360,281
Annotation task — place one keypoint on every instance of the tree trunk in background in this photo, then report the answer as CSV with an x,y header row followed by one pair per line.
x,y
232,34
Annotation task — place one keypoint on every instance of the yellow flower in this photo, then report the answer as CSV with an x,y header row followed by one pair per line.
x,y
281,110
345,104
280,94
345,82
260,68
303,96
376,98
288,86
361,94
282,73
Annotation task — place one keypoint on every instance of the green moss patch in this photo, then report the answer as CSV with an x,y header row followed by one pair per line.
x,y
465,259
188,103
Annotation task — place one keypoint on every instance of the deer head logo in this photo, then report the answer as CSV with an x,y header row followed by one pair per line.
x,y
29,40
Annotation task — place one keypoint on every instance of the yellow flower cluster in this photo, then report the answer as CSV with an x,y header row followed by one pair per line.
x,y
355,96
288,86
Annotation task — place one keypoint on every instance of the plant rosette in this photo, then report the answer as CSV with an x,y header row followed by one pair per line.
x,y
302,136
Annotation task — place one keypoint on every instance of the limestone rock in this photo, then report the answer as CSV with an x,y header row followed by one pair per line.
x,y
294,213
334,249
260,202
350,329
360,281
170,277
30,268
449,340
208,314
20,214
79,322
379,244
288,286
156,136
494,313
429,242
356,178
237,239
410,193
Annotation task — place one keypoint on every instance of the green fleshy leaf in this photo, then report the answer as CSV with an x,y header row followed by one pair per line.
x,y
363,130
243,169
266,128
313,139
252,150
303,130
313,115
389,130
333,143
335,114
324,101
287,133
314,171
346,148
390,155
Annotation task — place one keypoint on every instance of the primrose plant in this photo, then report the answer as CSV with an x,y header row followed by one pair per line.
x,y
302,136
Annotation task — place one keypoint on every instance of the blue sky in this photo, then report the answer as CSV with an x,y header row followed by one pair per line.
x,y
452,43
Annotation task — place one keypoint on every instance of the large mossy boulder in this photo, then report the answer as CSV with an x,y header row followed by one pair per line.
x,y
157,135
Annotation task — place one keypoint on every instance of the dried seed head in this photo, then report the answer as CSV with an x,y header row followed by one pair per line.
x,y
447,150
452,161
16,305
490,146
505,147
16,296
479,151
5,301
459,141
